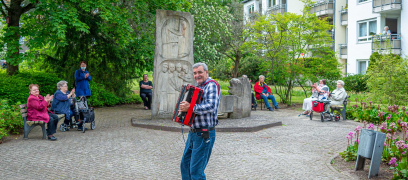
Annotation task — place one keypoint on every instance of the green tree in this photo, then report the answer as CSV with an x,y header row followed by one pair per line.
x,y
45,24
285,40
388,78
219,32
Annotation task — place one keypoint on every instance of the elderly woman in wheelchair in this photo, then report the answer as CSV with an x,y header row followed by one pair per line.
x,y
336,98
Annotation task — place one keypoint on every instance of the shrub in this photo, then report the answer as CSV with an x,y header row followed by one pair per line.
x,y
10,119
356,82
15,89
388,78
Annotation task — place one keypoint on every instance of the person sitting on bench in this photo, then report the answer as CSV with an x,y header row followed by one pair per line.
x,y
263,91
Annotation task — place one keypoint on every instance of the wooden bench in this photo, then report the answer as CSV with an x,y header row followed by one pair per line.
x,y
29,125
341,108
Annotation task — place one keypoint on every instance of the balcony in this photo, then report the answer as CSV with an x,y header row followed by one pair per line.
x,y
323,8
343,51
387,43
380,6
280,8
344,17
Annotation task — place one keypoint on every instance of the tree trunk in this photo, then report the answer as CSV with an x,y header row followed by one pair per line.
x,y
236,61
14,14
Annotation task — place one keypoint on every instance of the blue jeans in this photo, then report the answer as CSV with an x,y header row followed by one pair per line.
x,y
267,102
196,155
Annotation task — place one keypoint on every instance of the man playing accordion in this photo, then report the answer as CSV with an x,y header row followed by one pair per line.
x,y
201,136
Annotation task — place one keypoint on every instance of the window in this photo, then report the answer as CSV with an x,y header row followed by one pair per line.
x,y
362,66
271,3
360,1
366,30
251,8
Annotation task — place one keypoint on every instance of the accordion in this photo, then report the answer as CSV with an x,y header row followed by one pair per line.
x,y
192,95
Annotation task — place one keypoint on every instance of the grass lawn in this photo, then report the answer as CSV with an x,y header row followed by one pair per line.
x,y
297,96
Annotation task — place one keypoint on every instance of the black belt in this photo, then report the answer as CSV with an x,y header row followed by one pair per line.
x,y
201,129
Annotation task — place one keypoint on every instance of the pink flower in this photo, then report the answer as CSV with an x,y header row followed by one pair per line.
x,y
371,126
393,162
400,144
357,129
357,141
388,136
403,124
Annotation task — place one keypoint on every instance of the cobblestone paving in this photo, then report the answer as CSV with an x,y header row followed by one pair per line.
x,y
300,149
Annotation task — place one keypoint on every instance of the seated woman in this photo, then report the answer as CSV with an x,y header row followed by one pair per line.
x,y
37,110
338,96
62,105
319,92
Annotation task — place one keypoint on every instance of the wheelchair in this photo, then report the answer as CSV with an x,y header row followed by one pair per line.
x,y
322,107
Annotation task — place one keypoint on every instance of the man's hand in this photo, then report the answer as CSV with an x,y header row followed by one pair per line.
x,y
73,90
86,75
184,105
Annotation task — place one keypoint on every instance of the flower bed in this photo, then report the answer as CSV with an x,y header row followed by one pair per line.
x,y
392,122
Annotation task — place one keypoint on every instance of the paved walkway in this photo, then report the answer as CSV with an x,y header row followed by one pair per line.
x,y
300,149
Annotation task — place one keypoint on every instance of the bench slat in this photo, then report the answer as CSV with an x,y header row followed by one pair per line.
x,y
22,106
23,110
24,115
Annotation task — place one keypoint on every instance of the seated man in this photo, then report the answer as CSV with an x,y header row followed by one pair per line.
x,y
263,91
338,95
146,87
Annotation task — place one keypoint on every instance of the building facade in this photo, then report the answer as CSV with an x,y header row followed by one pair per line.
x,y
357,25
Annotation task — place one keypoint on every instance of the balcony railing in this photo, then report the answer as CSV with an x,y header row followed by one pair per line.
x,y
344,17
386,5
280,8
323,7
387,43
343,51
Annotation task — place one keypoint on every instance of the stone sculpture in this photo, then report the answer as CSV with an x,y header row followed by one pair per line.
x,y
240,90
173,60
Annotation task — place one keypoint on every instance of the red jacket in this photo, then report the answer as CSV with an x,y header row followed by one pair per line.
x,y
259,89
37,109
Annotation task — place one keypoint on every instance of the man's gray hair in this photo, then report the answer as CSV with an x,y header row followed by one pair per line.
x,y
262,76
387,27
61,83
196,65
341,82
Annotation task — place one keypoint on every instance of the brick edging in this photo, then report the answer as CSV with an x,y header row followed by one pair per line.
x,y
225,129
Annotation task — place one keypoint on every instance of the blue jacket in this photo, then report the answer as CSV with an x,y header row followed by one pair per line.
x,y
82,84
61,104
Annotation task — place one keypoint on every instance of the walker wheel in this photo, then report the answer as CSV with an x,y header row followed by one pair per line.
x,y
62,128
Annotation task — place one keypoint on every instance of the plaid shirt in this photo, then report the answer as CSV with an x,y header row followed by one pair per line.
x,y
207,111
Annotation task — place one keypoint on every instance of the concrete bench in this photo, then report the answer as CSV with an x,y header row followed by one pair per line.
x,y
341,108
29,125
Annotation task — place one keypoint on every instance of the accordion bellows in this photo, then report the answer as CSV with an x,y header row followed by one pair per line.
x,y
192,95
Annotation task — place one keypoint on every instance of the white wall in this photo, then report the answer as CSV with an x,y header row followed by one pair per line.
x,y
359,50
404,29
294,6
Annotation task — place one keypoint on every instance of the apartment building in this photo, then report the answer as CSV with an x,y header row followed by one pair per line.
x,y
322,8
357,25
366,20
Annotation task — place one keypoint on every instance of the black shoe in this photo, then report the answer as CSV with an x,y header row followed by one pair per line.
x,y
52,138
277,107
270,109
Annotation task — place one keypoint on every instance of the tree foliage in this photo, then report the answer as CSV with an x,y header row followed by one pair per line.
x,y
388,78
219,33
296,50
115,37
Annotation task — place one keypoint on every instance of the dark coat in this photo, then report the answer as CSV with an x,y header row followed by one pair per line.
x,y
82,84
